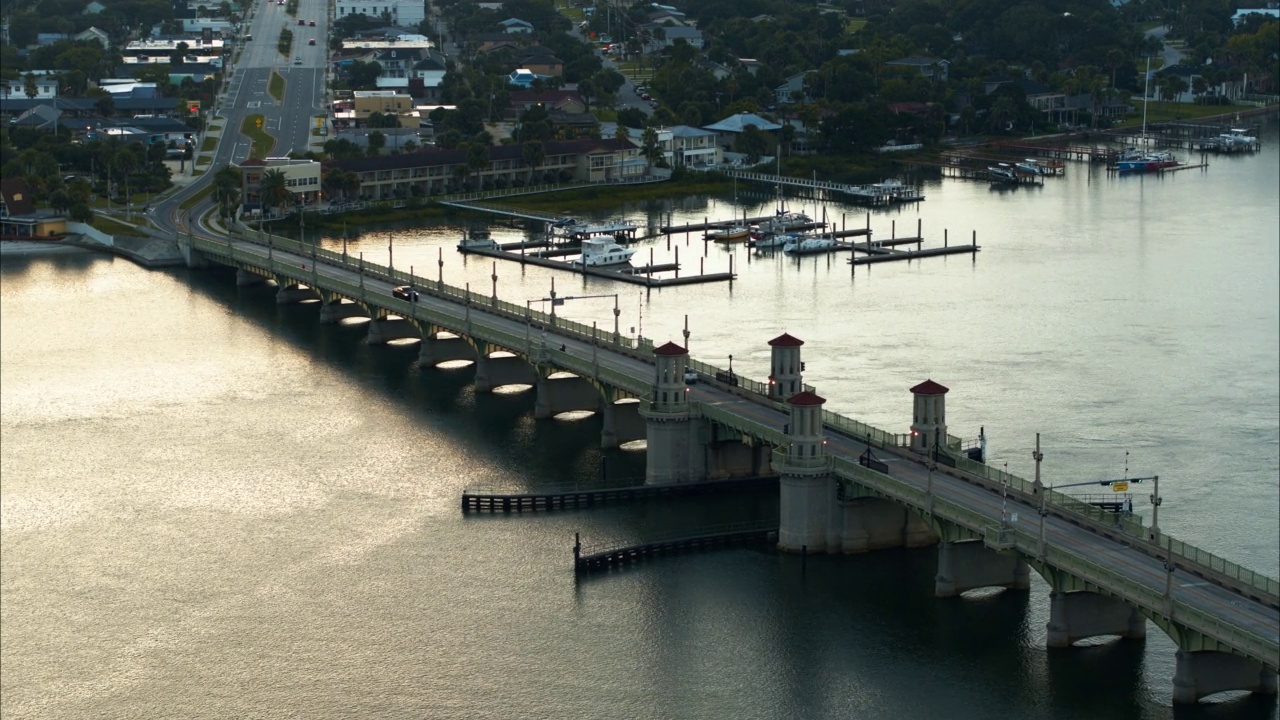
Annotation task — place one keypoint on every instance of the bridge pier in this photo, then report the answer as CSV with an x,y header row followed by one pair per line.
x,y
294,293
620,422
669,427
244,278
970,564
562,394
1202,673
1075,616
385,328
863,524
335,309
808,493
493,370
436,350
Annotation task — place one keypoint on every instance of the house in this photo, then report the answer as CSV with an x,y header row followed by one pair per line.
x,y
46,88
751,65
397,65
665,142
366,102
731,127
19,217
93,8
694,146
515,25
485,43
692,36
540,61
1272,12
718,71
43,39
39,117
432,171
302,177
568,101
427,75
927,67
96,35
792,91
406,13
1187,73
569,125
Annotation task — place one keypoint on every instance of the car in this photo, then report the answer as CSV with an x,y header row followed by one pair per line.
x,y
690,377
312,41
405,292
302,23
248,37
297,60
645,96
312,23
653,103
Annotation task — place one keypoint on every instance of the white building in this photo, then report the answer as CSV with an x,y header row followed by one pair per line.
x,y
694,146
46,89
405,13
302,177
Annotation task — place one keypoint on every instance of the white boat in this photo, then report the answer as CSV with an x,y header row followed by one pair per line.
x,y
1002,173
773,241
603,252
1235,141
805,244
785,221
477,240
1032,166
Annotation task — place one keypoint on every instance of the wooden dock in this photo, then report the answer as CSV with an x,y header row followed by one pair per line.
x,y
585,561
879,255
481,500
642,275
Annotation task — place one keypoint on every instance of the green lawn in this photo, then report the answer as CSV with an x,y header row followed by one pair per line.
x,y
263,142
853,25
1166,111
276,86
208,144
191,201
113,227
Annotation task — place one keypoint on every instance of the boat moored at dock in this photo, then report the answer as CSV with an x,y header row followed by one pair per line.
x,y
603,252
477,239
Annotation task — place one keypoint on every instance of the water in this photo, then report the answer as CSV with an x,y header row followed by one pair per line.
x,y
214,507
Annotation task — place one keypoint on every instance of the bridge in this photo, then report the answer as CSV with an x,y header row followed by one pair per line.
x,y
845,486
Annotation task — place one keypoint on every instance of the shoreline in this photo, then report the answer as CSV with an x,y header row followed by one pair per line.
x,y
19,248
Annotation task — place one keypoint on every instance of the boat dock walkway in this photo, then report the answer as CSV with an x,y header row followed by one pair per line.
x,y
487,500
588,560
626,273
879,194
721,225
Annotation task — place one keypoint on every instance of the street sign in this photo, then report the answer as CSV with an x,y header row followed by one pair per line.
x,y
1120,487
259,121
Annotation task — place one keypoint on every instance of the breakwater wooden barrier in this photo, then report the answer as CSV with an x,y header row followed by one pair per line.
x,y
484,500
586,560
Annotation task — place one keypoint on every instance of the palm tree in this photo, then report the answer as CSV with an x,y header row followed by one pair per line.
x,y
125,162
273,190
226,190
650,148
477,161
534,154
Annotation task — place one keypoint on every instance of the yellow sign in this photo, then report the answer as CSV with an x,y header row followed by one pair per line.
x,y
319,122
259,121
1119,487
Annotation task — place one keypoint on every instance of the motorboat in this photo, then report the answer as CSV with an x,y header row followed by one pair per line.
x,y
603,252
798,244
1002,174
478,239
1148,162
1031,166
1235,141
785,221
772,241
735,233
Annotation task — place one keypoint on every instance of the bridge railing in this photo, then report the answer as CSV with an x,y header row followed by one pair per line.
x,y
1183,554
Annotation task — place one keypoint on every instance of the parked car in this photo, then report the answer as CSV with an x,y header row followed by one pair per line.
x,y
405,292
302,23
312,41
297,60
312,23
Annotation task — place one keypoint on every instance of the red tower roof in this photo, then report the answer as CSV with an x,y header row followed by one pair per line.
x,y
929,387
786,340
670,349
805,398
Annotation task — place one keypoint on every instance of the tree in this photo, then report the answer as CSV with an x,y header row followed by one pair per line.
x,y
80,212
786,135
226,190
377,141
273,191
751,142
478,160
650,148
534,154
29,85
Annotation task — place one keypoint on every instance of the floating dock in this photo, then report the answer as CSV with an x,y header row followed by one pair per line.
x,y
495,502
607,559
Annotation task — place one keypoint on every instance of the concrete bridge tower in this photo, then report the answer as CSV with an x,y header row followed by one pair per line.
x,y
807,492
929,417
668,425
785,367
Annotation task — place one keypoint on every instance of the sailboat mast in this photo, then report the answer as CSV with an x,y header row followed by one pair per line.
x,y
1146,82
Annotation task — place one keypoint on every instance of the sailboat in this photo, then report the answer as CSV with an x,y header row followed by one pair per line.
x,y
767,234
1145,161
801,244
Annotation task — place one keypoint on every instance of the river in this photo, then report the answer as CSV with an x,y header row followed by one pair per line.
x,y
214,507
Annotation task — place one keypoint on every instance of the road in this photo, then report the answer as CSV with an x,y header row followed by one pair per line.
x,y
1135,566
290,122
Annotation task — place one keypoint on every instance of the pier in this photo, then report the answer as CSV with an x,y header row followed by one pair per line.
x,y
877,195
642,275
487,500
588,560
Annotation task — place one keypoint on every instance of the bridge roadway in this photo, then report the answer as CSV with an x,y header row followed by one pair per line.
x,y
1128,569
